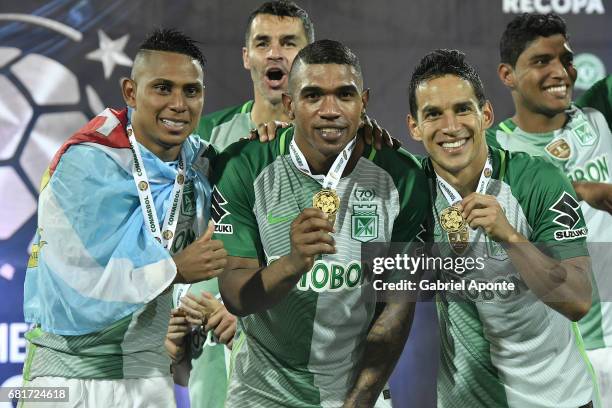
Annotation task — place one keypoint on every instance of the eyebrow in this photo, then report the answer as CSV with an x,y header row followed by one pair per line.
x,y
318,89
430,109
289,37
261,37
347,88
169,82
540,56
311,89
460,104
463,104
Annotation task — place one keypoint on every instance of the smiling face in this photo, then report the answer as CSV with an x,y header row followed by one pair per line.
x,y
451,125
272,45
543,77
167,95
326,103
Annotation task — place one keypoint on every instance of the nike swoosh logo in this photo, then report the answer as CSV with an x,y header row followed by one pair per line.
x,y
277,220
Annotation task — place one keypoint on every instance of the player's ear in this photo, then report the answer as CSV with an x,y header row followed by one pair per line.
x,y
365,97
128,90
506,75
288,105
487,114
413,127
246,62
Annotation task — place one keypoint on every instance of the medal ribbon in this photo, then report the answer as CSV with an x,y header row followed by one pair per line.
x,y
331,180
453,196
166,234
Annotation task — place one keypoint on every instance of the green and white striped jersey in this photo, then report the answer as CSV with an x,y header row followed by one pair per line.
x,y
210,360
304,351
224,127
132,347
582,149
506,348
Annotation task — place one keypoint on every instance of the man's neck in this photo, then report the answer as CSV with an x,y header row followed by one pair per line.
x,y
166,154
534,122
465,180
320,164
263,111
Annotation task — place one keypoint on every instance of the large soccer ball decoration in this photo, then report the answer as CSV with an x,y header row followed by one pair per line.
x,y
41,105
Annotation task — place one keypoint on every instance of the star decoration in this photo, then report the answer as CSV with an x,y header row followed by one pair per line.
x,y
7,271
110,53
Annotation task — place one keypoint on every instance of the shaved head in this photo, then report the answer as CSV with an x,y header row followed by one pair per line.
x,y
167,40
324,52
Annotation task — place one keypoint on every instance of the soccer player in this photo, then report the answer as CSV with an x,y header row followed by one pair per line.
x,y
120,210
307,337
536,65
276,31
512,347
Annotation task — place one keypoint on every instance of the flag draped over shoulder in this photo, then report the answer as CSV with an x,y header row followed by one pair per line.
x,y
94,261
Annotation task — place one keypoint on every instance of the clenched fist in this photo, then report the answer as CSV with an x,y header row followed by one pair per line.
x,y
204,259
310,236
484,211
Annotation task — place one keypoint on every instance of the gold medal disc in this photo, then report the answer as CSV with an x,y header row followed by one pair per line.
x,y
327,201
451,220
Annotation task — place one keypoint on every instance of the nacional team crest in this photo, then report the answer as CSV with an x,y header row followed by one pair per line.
x,y
188,205
559,149
585,135
364,222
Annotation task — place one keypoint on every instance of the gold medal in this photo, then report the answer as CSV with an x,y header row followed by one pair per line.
x,y
327,201
451,220
459,240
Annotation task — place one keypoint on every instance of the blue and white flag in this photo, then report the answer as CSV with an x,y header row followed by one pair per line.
x,y
94,261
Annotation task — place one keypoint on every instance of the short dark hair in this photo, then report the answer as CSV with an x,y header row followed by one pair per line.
x,y
282,8
171,40
326,52
444,62
525,28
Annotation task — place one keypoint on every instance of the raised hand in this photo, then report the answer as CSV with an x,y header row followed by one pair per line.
x,y
266,132
374,134
483,211
597,195
207,311
222,322
310,236
178,329
203,259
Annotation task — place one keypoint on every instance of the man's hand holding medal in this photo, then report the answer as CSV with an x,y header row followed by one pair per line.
x,y
310,236
484,211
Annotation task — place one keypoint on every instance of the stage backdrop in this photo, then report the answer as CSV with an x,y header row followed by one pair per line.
x,y
61,61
